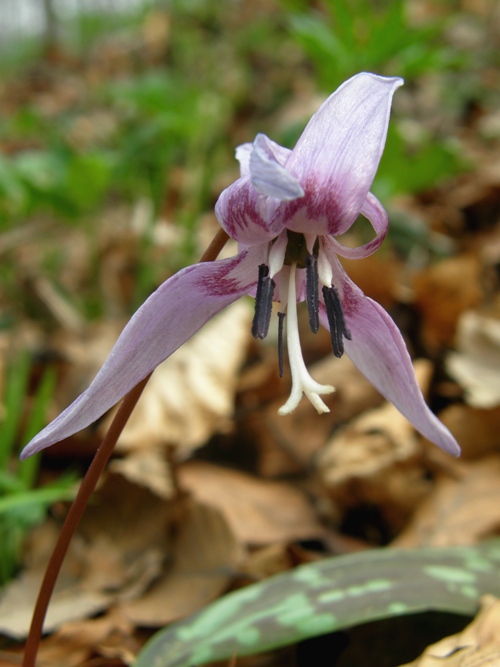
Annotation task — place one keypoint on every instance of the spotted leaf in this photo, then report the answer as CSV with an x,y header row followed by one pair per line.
x,y
329,595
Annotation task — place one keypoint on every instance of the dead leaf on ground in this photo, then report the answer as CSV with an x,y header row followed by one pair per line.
x,y
206,557
75,642
149,468
119,550
463,509
442,293
377,460
476,646
476,363
476,430
258,511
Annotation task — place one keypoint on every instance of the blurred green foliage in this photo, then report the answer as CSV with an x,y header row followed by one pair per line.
x,y
21,505
346,37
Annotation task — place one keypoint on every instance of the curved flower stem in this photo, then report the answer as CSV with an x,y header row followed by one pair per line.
x,y
87,487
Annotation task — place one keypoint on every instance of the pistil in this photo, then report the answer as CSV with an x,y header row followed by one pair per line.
x,y
302,382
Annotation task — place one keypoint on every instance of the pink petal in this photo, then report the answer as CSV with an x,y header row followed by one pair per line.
x,y
268,176
168,318
337,156
379,351
374,211
247,208
245,214
244,151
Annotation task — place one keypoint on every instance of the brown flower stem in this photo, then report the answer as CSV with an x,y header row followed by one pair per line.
x,y
87,487
216,245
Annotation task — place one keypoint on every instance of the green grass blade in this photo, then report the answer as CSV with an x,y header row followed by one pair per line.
x,y
28,469
327,596
15,393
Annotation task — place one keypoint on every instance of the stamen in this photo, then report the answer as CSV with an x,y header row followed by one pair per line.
x,y
281,322
336,320
302,382
263,303
312,291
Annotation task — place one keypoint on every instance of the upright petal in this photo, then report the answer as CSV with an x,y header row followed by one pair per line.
x,y
338,154
163,323
379,351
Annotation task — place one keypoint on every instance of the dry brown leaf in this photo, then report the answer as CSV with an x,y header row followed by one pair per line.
x,y
148,468
461,510
191,395
476,430
120,548
258,511
476,363
442,293
476,646
206,557
377,460
110,635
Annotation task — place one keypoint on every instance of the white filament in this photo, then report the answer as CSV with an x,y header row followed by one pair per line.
x,y
302,382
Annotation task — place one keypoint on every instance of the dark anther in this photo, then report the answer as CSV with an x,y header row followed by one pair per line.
x,y
281,321
263,303
312,290
336,320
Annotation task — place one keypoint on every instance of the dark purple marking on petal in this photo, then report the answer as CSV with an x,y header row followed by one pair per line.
x,y
319,211
245,214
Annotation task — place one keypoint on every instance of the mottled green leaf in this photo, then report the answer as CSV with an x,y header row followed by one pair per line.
x,y
329,595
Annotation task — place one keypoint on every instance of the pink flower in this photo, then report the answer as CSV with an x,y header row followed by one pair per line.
x,y
285,211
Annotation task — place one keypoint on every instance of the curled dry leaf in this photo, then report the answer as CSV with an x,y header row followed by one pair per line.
x,y
148,468
475,429
442,293
206,557
258,511
377,460
476,362
476,646
463,509
119,550
75,642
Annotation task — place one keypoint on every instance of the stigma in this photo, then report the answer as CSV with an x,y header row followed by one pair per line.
x,y
302,382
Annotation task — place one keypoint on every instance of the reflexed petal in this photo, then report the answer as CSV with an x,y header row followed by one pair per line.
x,y
244,151
245,214
338,154
268,176
377,215
378,350
272,149
163,323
